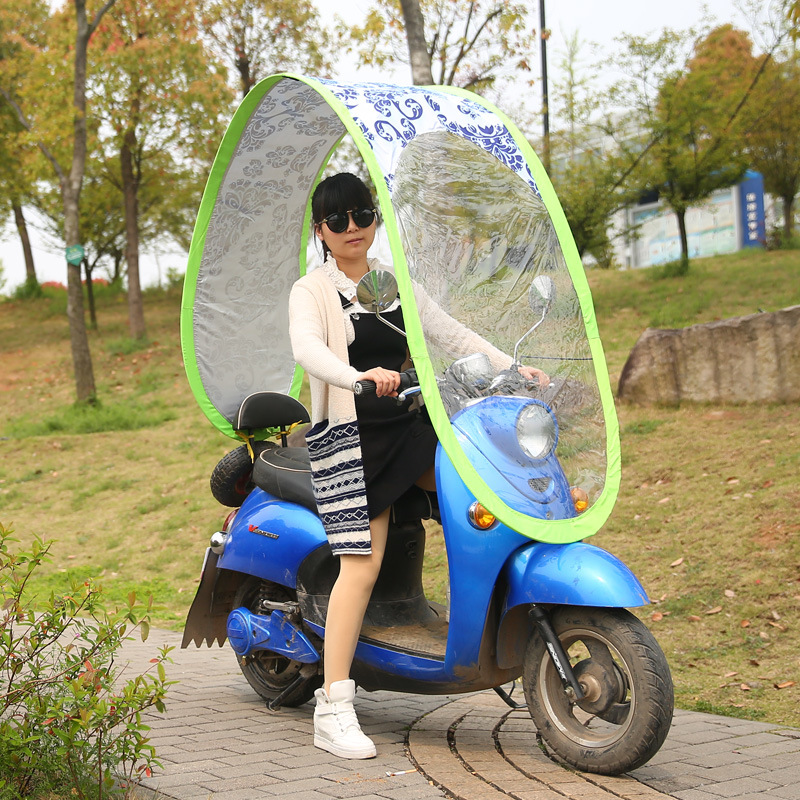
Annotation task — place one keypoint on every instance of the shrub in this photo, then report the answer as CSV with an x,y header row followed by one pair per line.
x,y
28,290
68,723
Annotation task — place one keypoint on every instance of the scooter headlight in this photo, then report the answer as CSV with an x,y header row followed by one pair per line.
x,y
537,432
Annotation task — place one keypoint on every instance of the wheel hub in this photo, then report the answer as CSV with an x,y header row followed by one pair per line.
x,y
601,687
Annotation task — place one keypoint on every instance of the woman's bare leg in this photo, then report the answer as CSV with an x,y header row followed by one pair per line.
x,y
348,602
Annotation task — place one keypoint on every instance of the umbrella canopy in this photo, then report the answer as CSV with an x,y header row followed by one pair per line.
x,y
471,219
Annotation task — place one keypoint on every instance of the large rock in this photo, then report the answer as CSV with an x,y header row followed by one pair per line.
x,y
749,359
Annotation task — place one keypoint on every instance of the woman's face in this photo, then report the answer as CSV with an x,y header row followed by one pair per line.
x,y
352,243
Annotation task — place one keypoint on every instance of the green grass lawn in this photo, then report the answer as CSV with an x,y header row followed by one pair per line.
x,y
707,515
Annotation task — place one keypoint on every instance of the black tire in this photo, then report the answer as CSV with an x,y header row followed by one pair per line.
x,y
269,673
627,712
232,478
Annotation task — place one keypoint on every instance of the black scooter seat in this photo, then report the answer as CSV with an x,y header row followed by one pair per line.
x,y
286,473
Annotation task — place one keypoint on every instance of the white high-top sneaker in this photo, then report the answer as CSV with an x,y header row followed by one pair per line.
x,y
336,727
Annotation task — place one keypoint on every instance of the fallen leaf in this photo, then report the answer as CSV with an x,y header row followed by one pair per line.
x,y
664,500
784,685
714,610
729,674
730,593
745,623
745,688
657,616
776,625
766,484
754,663
763,635
775,614
677,562
693,618
732,480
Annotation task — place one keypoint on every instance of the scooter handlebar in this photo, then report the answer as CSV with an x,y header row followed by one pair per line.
x,y
407,380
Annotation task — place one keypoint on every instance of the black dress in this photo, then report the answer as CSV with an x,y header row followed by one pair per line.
x,y
397,445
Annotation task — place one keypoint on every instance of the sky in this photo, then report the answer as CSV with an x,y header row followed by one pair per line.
x,y
594,21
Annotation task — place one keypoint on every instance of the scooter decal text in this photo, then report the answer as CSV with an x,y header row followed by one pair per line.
x,y
268,534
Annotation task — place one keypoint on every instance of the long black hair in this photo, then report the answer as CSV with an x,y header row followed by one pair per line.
x,y
341,192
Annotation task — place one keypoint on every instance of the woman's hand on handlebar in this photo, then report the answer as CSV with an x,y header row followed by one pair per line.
x,y
386,381
533,374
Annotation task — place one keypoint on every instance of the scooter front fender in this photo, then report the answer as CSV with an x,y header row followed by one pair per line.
x,y
576,574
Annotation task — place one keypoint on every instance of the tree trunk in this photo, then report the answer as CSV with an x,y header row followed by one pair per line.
x,y
681,214
417,46
78,337
70,194
90,294
788,218
243,68
130,193
22,230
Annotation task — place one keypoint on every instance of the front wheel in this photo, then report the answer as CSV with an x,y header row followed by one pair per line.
x,y
627,709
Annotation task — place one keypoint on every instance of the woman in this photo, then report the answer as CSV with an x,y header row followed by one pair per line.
x,y
365,451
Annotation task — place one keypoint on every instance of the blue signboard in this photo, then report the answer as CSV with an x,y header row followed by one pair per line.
x,y
751,210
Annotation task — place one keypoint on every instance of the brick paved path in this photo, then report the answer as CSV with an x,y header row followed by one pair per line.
x,y
218,738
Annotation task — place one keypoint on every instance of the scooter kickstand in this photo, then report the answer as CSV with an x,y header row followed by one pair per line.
x,y
277,702
508,699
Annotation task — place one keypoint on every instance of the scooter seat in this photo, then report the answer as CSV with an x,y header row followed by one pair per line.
x,y
286,473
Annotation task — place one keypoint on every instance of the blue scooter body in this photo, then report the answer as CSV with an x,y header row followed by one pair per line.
x,y
492,572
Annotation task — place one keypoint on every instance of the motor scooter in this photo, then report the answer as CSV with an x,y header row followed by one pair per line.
x,y
595,681
524,473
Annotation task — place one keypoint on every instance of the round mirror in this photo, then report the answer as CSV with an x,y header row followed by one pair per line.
x,y
541,294
377,290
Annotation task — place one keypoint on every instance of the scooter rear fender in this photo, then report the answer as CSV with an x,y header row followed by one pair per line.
x,y
270,538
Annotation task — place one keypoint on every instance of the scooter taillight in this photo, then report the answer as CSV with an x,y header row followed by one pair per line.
x,y
226,526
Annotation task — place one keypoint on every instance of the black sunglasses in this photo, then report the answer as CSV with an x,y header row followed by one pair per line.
x,y
337,223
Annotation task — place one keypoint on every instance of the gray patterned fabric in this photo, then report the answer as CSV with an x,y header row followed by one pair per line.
x,y
240,321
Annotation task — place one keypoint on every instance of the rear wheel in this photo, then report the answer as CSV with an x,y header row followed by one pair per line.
x,y
269,673
627,709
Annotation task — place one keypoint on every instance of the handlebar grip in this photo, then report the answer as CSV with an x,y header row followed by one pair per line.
x,y
364,387
407,380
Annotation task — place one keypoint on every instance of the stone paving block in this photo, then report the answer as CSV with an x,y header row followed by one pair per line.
x,y
731,772
744,786
245,782
781,747
704,736
181,779
711,760
695,794
786,793
756,739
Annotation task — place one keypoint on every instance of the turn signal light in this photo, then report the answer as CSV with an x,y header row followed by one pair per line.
x,y
579,498
480,517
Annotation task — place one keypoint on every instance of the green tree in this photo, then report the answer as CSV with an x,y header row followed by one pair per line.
x,y
22,28
160,92
64,56
773,139
473,44
689,112
259,37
